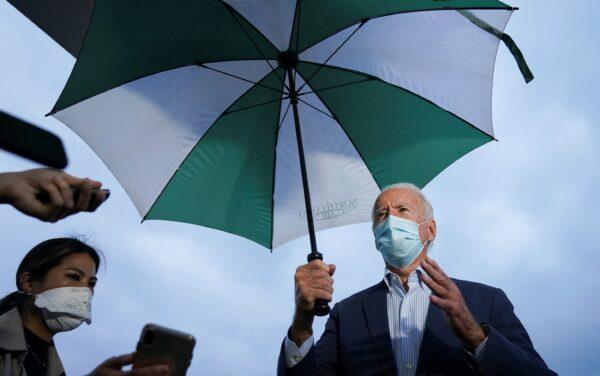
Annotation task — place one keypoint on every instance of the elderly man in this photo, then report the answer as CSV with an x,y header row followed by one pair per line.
x,y
393,328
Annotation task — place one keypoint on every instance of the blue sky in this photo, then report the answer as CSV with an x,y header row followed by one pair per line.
x,y
519,214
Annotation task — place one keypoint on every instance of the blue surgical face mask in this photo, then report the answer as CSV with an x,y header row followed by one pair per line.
x,y
398,241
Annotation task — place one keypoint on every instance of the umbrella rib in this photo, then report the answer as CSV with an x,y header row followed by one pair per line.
x,y
231,11
360,154
377,79
240,78
280,120
336,86
316,109
362,23
345,26
299,10
255,105
284,115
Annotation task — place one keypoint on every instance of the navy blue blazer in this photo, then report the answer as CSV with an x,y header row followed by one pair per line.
x,y
356,340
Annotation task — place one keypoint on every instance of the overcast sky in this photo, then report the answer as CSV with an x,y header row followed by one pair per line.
x,y
520,214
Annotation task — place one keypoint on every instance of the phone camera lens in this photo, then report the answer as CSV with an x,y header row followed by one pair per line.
x,y
148,337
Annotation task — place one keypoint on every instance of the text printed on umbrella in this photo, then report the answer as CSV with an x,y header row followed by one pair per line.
x,y
330,210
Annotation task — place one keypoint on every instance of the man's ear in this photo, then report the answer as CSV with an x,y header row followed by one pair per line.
x,y
26,282
431,226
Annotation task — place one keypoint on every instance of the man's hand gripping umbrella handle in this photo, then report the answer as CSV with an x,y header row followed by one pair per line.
x,y
321,306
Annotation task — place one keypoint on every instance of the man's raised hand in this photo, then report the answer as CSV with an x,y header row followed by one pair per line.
x,y
448,297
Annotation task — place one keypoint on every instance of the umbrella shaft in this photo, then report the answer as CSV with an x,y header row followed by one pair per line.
x,y
309,213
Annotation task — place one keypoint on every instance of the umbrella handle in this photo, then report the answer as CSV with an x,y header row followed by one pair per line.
x,y
321,307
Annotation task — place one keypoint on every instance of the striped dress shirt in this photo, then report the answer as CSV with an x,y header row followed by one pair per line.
x,y
407,312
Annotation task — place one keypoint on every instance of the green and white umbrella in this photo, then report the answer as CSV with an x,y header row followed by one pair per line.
x,y
191,104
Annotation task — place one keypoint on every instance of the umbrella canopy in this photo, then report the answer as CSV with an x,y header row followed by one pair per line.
x,y
188,104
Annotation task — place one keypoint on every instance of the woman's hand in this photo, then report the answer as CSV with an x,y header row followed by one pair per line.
x,y
26,191
114,367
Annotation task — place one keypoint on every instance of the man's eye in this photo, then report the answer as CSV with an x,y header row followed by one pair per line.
x,y
74,277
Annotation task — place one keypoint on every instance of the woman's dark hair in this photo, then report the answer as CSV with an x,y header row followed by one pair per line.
x,y
42,258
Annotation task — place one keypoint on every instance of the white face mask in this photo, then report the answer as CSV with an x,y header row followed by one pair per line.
x,y
65,308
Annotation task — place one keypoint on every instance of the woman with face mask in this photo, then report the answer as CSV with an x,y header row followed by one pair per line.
x,y
55,284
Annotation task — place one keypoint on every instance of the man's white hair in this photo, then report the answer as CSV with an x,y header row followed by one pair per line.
x,y
425,204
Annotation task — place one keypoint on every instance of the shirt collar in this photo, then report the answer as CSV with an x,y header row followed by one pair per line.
x,y
393,282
